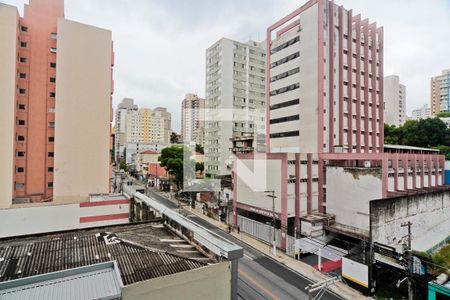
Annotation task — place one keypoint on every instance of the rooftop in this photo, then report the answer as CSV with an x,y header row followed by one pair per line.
x,y
142,252
404,147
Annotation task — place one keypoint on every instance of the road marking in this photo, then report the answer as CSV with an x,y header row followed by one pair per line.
x,y
249,257
252,280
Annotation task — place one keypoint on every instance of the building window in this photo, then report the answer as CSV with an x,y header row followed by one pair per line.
x,y
50,169
52,94
21,138
53,50
52,79
51,154
284,134
22,91
22,60
20,169
285,119
20,154
20,186
53,35
22,75
51,124
21,106
23,28
50,185
285,104
20,122
23,44
51,139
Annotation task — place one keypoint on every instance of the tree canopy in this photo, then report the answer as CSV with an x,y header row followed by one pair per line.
x,y
429,133
172,159
199,149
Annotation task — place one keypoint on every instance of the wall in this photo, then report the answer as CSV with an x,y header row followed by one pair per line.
x,y
41,218
82,144
429,214
8,38
351,205
210,282
249,191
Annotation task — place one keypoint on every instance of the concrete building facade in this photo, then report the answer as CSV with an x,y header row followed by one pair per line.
x,y
440,93
325,110
193,119
235,98
421,113
47,73
140,126
394,101
120,125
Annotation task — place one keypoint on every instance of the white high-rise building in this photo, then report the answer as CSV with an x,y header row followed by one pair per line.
x,y
235,98
394,101
421,113
440,93
120,126
193,119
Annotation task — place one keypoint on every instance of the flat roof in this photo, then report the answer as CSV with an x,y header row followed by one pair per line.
x,y
405,147
142,251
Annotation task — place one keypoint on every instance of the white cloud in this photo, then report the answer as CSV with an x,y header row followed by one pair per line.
x,y
160,45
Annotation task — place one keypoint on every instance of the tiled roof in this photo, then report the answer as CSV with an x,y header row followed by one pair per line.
x,y
43,254
149,152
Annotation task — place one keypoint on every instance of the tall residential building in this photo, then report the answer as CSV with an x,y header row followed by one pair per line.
x,y
421,113
146,125
235,98
193,119
325,131
325,82
394,101
120,120
56,105
440,93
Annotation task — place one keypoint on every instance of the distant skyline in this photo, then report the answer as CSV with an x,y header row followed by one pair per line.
x,y
160,45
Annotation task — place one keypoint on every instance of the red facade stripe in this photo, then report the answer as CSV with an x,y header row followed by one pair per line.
x,y
104,203
104,218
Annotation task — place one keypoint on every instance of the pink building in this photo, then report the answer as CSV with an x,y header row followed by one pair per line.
x,y
53,76
324,81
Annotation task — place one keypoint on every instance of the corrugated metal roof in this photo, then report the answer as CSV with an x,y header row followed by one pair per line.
x,y
100,281
43,254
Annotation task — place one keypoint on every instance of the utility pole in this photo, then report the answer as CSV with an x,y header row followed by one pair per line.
x,y
409,253
274,220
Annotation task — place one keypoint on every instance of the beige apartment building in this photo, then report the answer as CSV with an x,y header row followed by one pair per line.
x,y
193,119
440,93
146,125
53,148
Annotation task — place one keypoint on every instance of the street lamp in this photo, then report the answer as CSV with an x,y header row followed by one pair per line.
x,y
272,195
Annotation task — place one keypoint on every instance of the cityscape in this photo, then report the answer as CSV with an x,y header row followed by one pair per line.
x,y
312,161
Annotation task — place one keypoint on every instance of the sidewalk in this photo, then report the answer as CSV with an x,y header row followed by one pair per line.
x,y
303,269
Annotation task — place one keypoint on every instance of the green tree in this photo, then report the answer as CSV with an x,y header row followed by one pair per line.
x,y
123,165
199,149
172,159
430,132
174,138
444,114
199,167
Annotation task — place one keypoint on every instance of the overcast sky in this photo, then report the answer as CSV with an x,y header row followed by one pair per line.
x,y
160,44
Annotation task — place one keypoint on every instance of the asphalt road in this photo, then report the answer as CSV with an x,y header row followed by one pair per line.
x,y
260,277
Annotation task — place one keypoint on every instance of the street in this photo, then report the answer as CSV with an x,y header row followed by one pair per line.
x,y
260,277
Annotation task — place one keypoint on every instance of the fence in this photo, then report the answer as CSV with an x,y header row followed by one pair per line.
x,y
264,232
